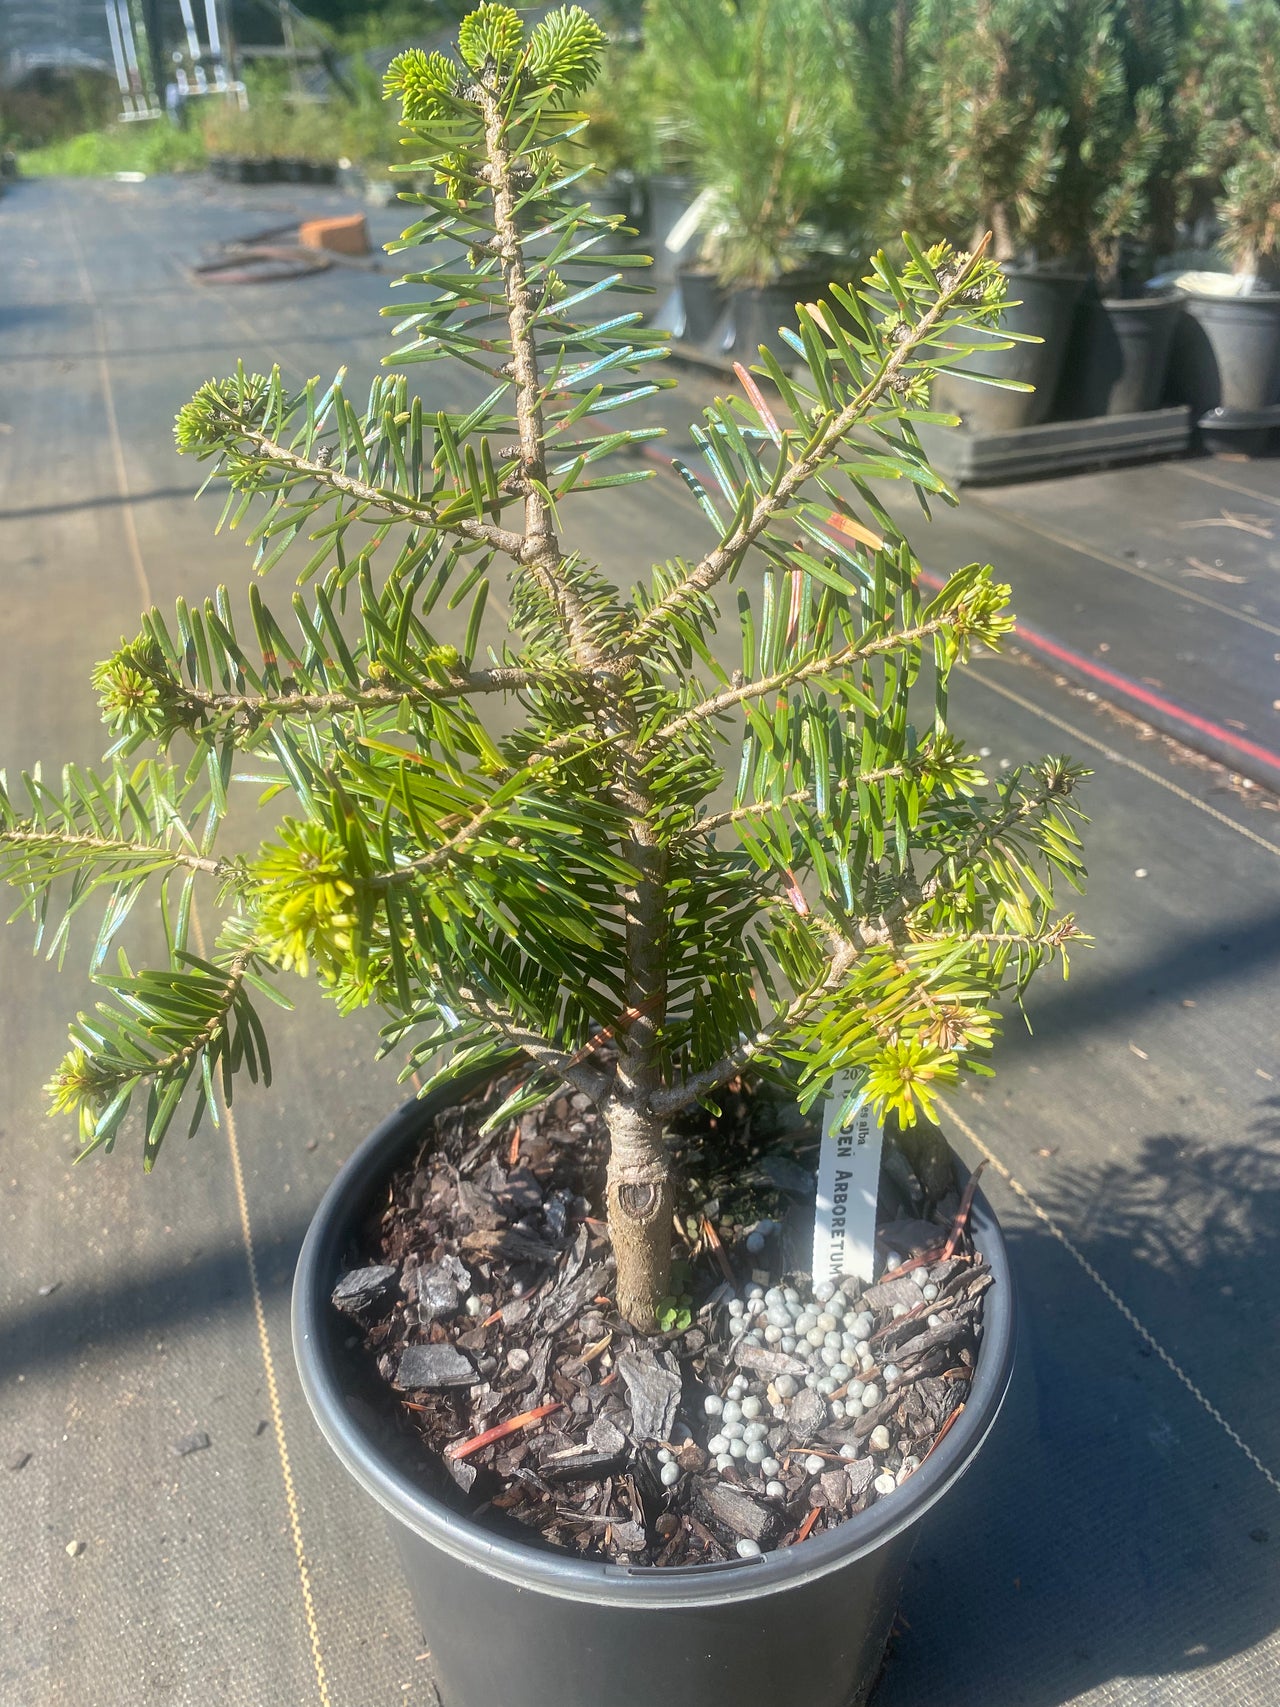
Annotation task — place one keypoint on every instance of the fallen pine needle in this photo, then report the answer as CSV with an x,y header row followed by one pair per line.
x,y
499,1431
942,1433
802,1534
717,1250
962,1214
1206,573
925,1261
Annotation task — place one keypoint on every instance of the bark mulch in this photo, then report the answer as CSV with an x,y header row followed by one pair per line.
x,y
482,1292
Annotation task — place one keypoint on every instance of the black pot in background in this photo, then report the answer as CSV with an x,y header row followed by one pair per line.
x,y
1045,304
760,310
704,299
1226,364
667,199
508,1621
1228,351
609,197
1118,355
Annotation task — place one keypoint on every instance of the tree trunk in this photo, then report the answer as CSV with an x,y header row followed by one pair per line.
x,y
996,221
640,1202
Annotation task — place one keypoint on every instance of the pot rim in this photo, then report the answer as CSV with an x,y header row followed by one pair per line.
x,y
1043,275
1256,299
314,1333
1146,304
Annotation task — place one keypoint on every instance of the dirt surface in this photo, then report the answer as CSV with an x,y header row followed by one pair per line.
x,y
485,1293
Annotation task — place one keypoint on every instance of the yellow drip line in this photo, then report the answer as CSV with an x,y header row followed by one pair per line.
x,y
273,1396
233,1144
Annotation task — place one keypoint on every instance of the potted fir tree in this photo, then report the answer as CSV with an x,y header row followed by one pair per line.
x,y
987,151
774,143
529,863
1229,360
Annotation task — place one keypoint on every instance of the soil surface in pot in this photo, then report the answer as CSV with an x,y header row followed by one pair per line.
x,y
498,1372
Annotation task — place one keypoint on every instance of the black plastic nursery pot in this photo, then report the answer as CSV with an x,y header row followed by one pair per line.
x,y
704,299
610,197
1229,353
512,1624
1118,357
759,311
1227,366
233,168
1045,304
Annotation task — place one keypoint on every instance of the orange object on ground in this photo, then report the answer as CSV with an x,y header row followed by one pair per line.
x,y
346,235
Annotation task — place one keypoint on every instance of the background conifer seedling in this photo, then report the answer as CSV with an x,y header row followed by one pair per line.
x,y
782,864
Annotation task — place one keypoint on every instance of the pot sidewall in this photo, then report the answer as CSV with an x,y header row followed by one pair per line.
x,y
545,1627
703,299
1227,354
1043,305
1118,357
760,311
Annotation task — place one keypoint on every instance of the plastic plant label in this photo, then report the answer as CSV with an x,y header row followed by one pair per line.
x,y
844,1226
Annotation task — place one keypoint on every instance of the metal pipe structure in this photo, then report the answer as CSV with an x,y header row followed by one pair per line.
x,y
221,75
117,49
194,49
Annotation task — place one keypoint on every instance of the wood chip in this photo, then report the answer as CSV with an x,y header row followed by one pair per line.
x,y
770,1363
739,1512
429,1366
652,1381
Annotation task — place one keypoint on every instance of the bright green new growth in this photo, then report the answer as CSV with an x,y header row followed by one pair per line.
x,y
779,860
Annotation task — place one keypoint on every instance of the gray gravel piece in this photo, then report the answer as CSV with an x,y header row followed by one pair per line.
x,y
788,1176
806,1414
860,1473
437,1294
835,1487
434,1366
606,1437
